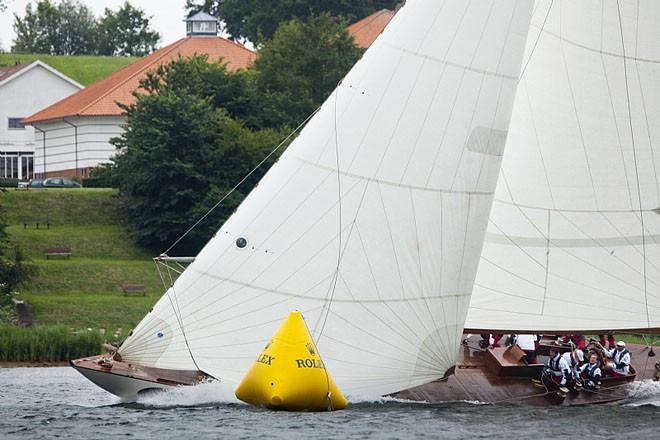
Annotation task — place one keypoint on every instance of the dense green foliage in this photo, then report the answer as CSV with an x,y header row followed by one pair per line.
x,y
70,28
46,344
126,33
66,29
200,130
300,67
180,154
257,20
84,69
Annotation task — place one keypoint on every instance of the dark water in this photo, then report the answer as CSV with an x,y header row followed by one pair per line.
x,y
48,403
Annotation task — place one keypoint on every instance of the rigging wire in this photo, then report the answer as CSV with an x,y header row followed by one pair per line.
x,y
639,191
177,311
335,276
634,151
172,296
296,130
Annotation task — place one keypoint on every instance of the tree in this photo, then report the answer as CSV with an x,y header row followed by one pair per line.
x,y
180,154
14,269
257,20
37,31
300,67
66,29
77,29
126,33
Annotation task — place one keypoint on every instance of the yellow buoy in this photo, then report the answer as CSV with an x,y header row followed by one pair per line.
x,y
289,373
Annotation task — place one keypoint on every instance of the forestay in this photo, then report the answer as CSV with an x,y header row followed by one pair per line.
x,y
565,249
372,221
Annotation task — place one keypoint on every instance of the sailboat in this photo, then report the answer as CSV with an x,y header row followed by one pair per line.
x,y
572,239
372,224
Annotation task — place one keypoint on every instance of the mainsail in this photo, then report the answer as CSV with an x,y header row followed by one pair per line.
x,y
372,222
573,239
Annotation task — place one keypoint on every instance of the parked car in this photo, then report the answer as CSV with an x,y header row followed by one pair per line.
x,y
60,182
35,183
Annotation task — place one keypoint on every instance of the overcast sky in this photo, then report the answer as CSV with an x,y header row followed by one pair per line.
x,y
166,16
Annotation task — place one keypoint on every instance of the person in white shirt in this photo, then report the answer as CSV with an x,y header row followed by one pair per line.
x,y
591,373
620,365
558,367
575,359
528,344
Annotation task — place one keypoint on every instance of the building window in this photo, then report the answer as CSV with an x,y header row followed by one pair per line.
x,y
9,166
15,165
27,167
15,123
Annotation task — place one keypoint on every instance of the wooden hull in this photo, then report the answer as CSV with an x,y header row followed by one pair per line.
x,y
494,376
490,376
128,381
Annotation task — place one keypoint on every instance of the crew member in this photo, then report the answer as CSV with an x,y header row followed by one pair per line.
x,y
621,359
558,368
528,344
575,359
591,373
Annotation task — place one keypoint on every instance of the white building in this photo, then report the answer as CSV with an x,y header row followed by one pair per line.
x,y
73,135
25,89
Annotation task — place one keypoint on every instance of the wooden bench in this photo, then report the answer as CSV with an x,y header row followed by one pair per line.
x,y
134,288
62,251
37,221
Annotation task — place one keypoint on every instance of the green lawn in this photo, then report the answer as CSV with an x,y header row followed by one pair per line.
x,y
83,69
85,290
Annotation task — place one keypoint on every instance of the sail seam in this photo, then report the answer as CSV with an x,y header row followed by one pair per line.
x,y
492,237
452,64
591,49
539,208
395,184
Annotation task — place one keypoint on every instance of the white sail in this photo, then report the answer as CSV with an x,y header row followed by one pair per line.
x,y
565,247
372,221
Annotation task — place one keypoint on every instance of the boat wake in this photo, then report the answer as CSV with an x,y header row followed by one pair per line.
x,y
646,392
208,393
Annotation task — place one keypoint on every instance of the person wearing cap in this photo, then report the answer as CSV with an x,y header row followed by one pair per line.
x,y
575,359
558,367
621,359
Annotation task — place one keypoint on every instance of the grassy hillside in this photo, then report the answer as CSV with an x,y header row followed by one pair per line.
x,y
84,69
85,290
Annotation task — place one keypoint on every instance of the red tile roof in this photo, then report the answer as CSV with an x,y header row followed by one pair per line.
x,y
99,99
7,71
366,30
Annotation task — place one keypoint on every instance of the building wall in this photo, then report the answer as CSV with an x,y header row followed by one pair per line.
x,y
21,96
76,143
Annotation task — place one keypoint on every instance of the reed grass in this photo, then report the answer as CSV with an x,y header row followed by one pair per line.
x,y
47,344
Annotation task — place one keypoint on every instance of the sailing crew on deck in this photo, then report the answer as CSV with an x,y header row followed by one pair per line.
x,y
490,340
590,373
528,344
578,340
575,359
621,359
558,367
610,340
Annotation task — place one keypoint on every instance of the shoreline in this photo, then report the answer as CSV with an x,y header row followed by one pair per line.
x,y
33,364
